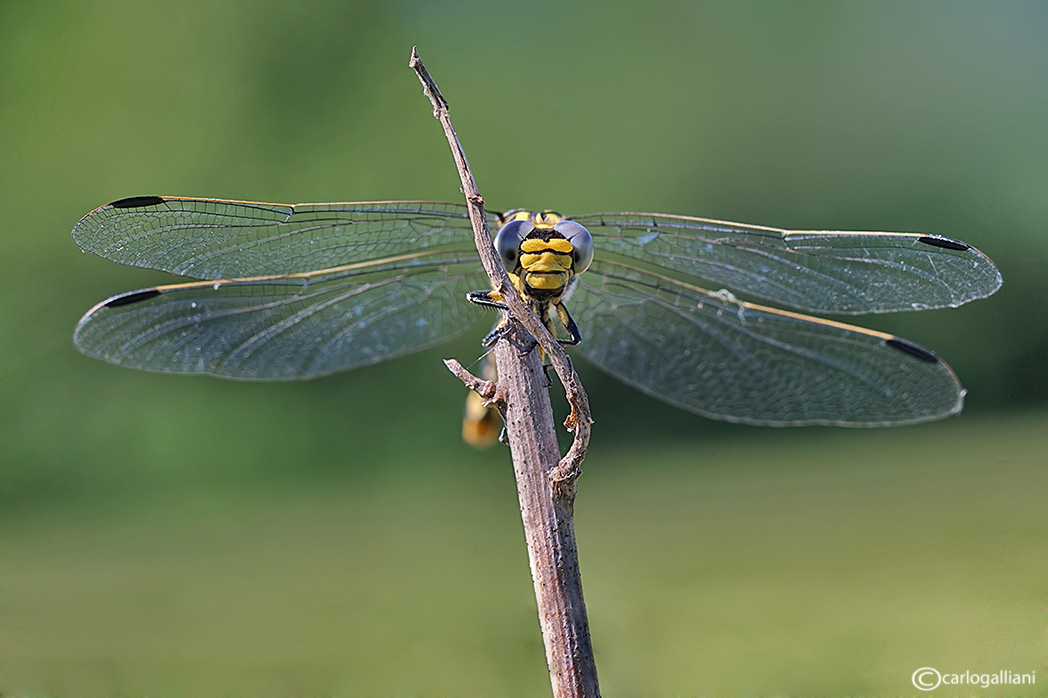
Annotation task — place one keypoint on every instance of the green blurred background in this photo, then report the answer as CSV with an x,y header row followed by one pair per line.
x,y
177,536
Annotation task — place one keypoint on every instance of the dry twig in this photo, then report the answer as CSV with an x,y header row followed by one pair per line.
x,y
546,483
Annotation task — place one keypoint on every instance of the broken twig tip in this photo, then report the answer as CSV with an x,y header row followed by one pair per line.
x,y
429,87
486,389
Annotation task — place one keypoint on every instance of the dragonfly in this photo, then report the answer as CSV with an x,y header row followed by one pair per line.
x,y
714,317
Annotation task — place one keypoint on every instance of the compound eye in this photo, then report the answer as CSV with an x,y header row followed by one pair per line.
x,y
581,240
508,239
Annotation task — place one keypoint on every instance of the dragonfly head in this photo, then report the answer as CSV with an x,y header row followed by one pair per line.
x,y
543,250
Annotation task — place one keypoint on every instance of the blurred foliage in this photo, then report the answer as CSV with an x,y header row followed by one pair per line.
x,y
766,566
863,115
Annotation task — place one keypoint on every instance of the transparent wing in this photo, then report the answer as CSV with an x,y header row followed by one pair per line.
x,y
723,358
823,272
219,239
288,326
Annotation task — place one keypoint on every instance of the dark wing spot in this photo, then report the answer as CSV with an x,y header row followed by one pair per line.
x,y
137,202
945,243
912,349
132,297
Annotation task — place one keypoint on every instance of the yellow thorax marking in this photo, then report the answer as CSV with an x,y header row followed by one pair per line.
x,y
541,219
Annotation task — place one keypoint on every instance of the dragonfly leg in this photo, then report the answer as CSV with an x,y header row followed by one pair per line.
x,y
569,325
488,299
545,372
498,332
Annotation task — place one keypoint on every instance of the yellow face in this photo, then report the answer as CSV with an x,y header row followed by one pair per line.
x,y
546,264
541,252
